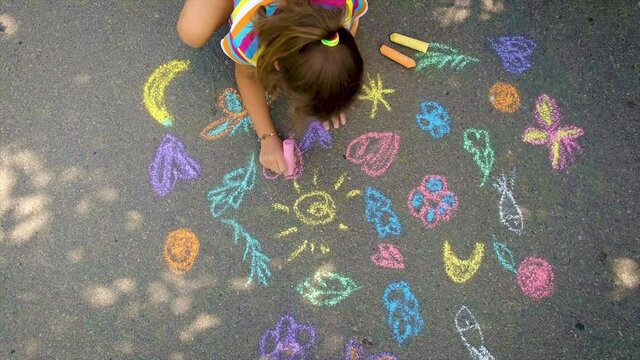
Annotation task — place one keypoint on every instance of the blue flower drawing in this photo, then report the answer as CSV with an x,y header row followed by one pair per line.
x,y
434,119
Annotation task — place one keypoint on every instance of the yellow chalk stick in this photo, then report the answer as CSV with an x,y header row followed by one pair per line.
x,y
398,57
409,42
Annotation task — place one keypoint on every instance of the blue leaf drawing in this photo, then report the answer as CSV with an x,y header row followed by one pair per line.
x,y
378,211
259,260
505,257
434,119
235,185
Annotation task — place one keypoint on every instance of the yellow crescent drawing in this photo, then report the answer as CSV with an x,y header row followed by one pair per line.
x,y
460,270
153,93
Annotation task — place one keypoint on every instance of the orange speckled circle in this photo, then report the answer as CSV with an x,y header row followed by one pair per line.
x,y
181,250
504,97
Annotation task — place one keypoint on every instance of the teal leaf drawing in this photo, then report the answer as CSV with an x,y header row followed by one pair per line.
x,y
441,55
478,143
327,288
505,257
235,185
259,260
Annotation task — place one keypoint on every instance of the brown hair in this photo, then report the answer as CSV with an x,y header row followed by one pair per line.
x,y
320,80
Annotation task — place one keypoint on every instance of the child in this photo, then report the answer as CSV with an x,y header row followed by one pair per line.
x,y
303,48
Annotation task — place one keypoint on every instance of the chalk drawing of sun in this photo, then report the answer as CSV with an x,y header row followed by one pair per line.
x,y
314,208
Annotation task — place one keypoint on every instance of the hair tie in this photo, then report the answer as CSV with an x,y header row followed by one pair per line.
x,y
333,41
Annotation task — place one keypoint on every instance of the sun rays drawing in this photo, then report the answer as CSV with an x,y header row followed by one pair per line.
x,y
313,208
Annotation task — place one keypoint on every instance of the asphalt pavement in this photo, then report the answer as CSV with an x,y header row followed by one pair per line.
x,y
488,207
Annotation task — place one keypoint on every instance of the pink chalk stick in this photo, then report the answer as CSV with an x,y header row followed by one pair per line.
x,y
289,146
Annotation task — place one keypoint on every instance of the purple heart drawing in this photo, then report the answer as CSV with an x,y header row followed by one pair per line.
x,y
514,50
170,164
316,134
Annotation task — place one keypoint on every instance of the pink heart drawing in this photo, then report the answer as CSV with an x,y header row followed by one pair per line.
x,y
374,151
388,256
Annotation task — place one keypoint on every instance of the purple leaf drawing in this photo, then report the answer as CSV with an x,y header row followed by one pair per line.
x,y
171,163
514,50
316,134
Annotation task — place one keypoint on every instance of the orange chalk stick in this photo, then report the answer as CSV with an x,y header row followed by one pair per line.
x,y
398,57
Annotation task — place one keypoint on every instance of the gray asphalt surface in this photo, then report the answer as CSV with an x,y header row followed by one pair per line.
x,y
82,233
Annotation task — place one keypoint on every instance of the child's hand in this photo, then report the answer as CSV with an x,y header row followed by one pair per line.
x,y
336,121
272,156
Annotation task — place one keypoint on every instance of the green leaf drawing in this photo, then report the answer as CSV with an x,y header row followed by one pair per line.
x,y
505,257
326,288
478,143
441,55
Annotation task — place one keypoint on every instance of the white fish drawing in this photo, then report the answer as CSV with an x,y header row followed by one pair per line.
x,y
466,323
510,213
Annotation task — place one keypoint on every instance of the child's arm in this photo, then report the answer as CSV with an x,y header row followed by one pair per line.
x,y
253,99
354,27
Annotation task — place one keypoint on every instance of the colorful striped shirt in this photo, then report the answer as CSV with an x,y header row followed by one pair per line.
x,y
241,43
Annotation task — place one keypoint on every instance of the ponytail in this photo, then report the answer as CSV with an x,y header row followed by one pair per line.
x,y
321,79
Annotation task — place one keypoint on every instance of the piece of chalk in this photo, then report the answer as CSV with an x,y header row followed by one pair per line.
x,y
398,57
288,146
415,44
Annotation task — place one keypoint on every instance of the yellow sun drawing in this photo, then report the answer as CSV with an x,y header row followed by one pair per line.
x,y
313,208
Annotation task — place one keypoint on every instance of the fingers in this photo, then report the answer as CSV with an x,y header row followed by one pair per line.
x,y
281,165
277,165
336,122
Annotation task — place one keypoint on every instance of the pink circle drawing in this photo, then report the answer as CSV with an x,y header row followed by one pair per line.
x,y
432,201
536,278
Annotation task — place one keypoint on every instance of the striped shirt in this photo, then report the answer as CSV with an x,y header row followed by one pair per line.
x,y
241,43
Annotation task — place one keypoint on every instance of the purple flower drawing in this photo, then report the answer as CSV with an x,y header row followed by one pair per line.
x,y
287,341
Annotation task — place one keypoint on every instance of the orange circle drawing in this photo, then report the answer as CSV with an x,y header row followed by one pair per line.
x,y
504,97
181,250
